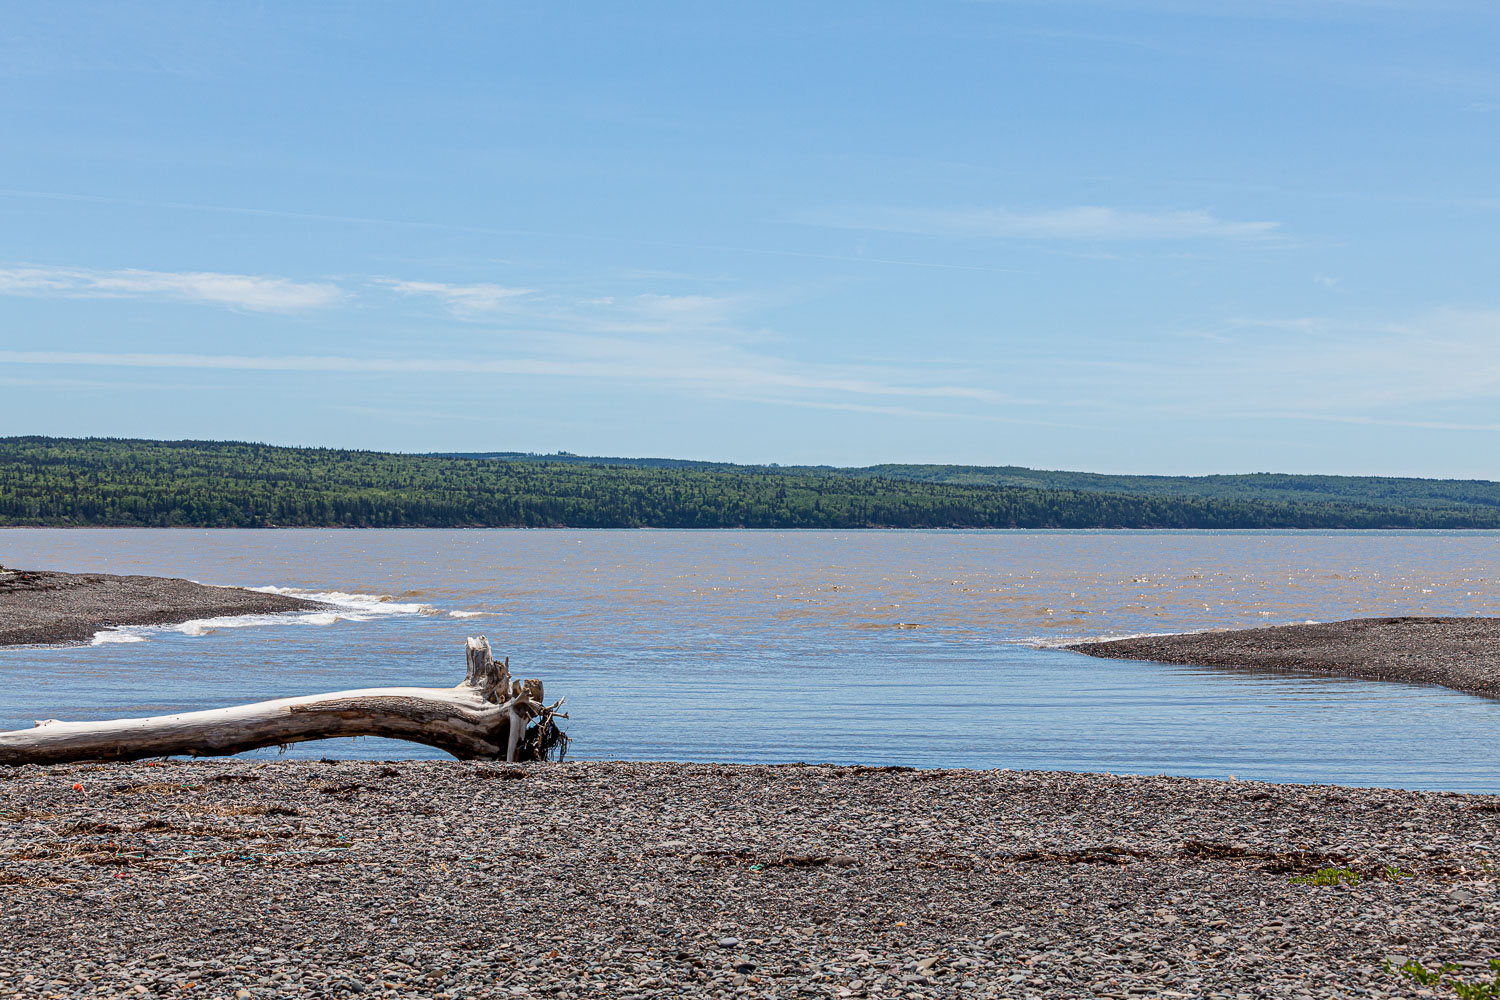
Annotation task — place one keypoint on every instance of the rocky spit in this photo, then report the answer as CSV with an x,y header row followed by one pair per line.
x,y
1460,653
44,607
241,879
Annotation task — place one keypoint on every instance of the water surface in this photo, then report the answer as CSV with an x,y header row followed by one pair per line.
x,y
911,647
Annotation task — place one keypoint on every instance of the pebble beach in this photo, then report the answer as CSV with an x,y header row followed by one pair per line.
x,y
44,607
1462,653
236,878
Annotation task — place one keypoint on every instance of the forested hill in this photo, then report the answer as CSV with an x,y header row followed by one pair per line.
x,y
94,481
1382,491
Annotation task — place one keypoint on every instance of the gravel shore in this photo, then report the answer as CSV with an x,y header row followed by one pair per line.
x,y
1461,653
43,607
421,878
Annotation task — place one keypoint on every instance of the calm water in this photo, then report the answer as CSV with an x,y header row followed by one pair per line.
x,y
923,648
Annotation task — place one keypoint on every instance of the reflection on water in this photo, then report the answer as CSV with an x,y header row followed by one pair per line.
x,y
908,647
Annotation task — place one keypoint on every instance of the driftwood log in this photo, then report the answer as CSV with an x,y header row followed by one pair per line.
x,y
489,716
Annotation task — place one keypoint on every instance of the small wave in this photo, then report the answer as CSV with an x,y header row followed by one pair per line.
x,y
1058,642
1055,642
346,608
372,604
203,626
109,637
466,614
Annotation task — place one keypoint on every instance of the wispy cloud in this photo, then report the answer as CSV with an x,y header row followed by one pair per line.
x,y
1439,370
263,293
899,411
663,314
1263,9
596,358
1079,222
1427,425
462,300
385,412
572,235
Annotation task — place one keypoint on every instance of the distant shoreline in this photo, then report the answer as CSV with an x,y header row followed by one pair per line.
x,y
1458,653
41,607
62,482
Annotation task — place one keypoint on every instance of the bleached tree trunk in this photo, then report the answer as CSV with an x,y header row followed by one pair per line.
x,y
484,717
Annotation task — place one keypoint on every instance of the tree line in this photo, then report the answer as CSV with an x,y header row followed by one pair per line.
x,y
115,482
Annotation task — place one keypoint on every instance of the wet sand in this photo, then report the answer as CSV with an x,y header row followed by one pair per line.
x,y
1460,653
43,607
447,879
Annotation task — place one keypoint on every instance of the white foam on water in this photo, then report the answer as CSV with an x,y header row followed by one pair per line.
x,y
1057,642
109,637
466,614
347,607
368,604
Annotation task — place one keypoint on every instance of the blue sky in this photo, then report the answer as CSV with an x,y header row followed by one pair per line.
x,y
1173,237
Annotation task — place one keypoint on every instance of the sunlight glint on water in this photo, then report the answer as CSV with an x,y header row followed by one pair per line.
x,y
889,647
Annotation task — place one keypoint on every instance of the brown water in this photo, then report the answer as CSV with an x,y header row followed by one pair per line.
x,y
917,647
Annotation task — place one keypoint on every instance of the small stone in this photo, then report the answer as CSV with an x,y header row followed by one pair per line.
x,y
843,861
728,942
